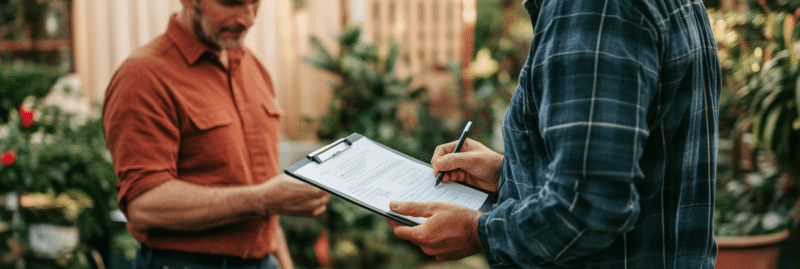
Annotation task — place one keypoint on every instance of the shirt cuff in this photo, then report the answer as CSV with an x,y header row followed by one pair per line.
x,y
132,186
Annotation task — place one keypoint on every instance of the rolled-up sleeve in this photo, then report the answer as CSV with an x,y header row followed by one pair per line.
x,y
141,129
592,77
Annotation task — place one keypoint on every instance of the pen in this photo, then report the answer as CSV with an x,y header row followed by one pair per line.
x,y
458,148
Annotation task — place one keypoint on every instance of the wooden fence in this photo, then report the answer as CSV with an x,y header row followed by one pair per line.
x,y
431,33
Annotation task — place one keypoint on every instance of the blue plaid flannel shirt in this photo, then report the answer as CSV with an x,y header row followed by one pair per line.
x,y
610,140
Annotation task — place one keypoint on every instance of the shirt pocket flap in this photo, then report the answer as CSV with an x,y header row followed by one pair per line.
x,y
211,119
272,108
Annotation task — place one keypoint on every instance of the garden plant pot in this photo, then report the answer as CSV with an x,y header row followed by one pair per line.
x,y
51,241
750,252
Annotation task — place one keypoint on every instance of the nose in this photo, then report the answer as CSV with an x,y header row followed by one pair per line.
x,y
247,14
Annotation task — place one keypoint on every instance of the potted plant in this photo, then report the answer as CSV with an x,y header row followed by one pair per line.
x,y
55,173
754,212
757,194
757,185
52,221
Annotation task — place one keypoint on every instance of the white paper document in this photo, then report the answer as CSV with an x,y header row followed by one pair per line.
x,y
374,175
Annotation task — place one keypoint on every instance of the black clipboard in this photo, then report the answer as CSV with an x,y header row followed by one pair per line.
x,y
330,151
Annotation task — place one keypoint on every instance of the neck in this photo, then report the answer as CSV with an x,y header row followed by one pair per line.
x,y
223,57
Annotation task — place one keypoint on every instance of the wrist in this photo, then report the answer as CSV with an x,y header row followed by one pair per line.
x,y
256,203
472,232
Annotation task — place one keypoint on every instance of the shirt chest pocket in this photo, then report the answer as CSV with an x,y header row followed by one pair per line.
x,y
269,126
211,119
211,131
272,109
209,142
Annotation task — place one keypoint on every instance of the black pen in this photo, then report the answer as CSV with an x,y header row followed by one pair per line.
x,y
458,148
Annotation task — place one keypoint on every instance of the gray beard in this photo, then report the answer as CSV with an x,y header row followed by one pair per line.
x,y
198,29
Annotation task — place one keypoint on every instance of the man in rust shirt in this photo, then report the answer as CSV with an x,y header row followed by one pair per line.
x,y
192,126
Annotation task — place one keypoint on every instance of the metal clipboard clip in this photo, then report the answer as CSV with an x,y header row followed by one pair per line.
x,y
327,152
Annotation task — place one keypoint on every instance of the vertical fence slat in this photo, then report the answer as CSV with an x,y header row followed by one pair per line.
x,y
413,36
101,60
140,25
401,34
429,34
368,25
121,39
442,39
383,21
456,30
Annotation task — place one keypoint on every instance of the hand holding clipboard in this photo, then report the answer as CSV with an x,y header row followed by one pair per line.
x,y
371,175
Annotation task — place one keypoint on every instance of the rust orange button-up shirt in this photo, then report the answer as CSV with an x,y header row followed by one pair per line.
x,y
172,111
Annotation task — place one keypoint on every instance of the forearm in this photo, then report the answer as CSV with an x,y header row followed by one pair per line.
x,y
181,206
549,229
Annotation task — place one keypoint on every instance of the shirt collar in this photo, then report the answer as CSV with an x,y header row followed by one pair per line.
x,y
190,46
533,7
187,42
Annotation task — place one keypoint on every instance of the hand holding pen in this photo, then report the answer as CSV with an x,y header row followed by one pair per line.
x,y
457,149
476,164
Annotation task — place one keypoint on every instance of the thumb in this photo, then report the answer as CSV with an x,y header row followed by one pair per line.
x,y
413,209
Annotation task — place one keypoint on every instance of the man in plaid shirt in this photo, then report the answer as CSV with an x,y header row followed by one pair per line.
x,y
610,146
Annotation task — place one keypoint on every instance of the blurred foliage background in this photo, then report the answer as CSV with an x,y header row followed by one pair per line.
x,y
757,188
64,149
370,99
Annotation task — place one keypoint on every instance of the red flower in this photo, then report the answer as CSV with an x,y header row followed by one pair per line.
x,y
322,249
8,158
27,118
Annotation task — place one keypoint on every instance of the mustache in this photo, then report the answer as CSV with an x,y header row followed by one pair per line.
x,y
234,28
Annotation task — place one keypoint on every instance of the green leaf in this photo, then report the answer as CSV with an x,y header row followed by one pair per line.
x,y
323,58
783,133
350,36
770,125
365,52
777,95
778,27
797,95
322,64
777,60
417,93
391,56
758,125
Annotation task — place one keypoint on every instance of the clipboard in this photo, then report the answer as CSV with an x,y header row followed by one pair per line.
x,y
329,153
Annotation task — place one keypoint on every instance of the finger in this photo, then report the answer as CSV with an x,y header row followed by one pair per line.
x,y
413,209
440,151
448,162
457,175
405,232
322,201
443,149
319,211
325,197
393,223
312,192
450,176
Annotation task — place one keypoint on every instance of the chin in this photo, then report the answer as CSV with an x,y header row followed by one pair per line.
x,y
230,44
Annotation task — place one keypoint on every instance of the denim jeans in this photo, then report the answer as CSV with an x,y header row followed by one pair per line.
x,y
146,259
